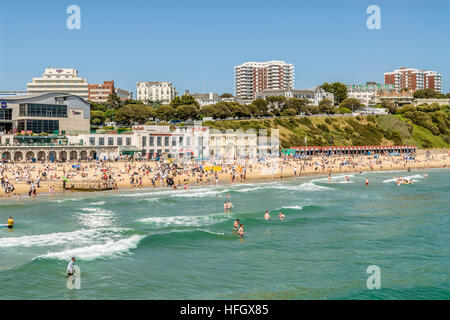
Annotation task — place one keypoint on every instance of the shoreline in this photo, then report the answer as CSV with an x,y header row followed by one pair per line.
x,y
194,186
150,175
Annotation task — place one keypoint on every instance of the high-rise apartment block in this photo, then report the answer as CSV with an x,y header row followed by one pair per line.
x,y
253,77
414,79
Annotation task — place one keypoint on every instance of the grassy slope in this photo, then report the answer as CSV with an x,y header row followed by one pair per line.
x,y
364,130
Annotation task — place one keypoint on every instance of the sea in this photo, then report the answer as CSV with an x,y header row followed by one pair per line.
x,y
339,240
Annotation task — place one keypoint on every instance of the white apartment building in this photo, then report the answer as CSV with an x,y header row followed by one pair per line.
x,y
253,77
314,95
60,80
207,99
365,93
162,91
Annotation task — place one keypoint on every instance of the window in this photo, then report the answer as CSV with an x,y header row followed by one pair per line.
x,y
43,110
39,126
101,141
92,141
152,141
128,141
5,114
158,141
144,141
110,141
174,141
166,141
119,141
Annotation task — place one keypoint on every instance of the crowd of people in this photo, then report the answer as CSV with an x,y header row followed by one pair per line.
x,y
49,178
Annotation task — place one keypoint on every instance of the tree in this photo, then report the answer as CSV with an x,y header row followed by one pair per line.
x,y
208,111
326,106
238,110
290,112
187,112
261,107
185,100
338,89
426,94
222,111
389,105
352,104
176,102
134,113
113,101
300,105
226,95
165,113
110,114
97,117
276,103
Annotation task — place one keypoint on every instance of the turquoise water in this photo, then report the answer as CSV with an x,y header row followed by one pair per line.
x,y
168,244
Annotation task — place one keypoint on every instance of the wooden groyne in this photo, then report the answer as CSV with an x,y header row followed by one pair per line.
x,y
87,185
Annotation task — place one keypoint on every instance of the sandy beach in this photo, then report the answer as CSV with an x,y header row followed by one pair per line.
x,y
48,177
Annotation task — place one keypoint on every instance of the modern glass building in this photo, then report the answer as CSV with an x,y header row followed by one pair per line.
x,y
50,113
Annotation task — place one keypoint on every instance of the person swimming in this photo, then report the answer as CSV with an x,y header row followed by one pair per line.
x,y
281,215
367,181
236,225
230,206
241,231
267,215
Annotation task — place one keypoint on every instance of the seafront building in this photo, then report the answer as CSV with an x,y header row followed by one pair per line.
x,y
398,98
414,79
207,99
314,95
60,80
156,91
365,93
44,113
253,77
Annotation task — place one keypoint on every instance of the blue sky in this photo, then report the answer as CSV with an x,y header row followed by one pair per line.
x,y
196,43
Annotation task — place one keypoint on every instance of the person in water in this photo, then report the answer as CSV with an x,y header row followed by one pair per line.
x,y
241,231
281,215
267,215
367,181
236,225
10,223
70,267
230,206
